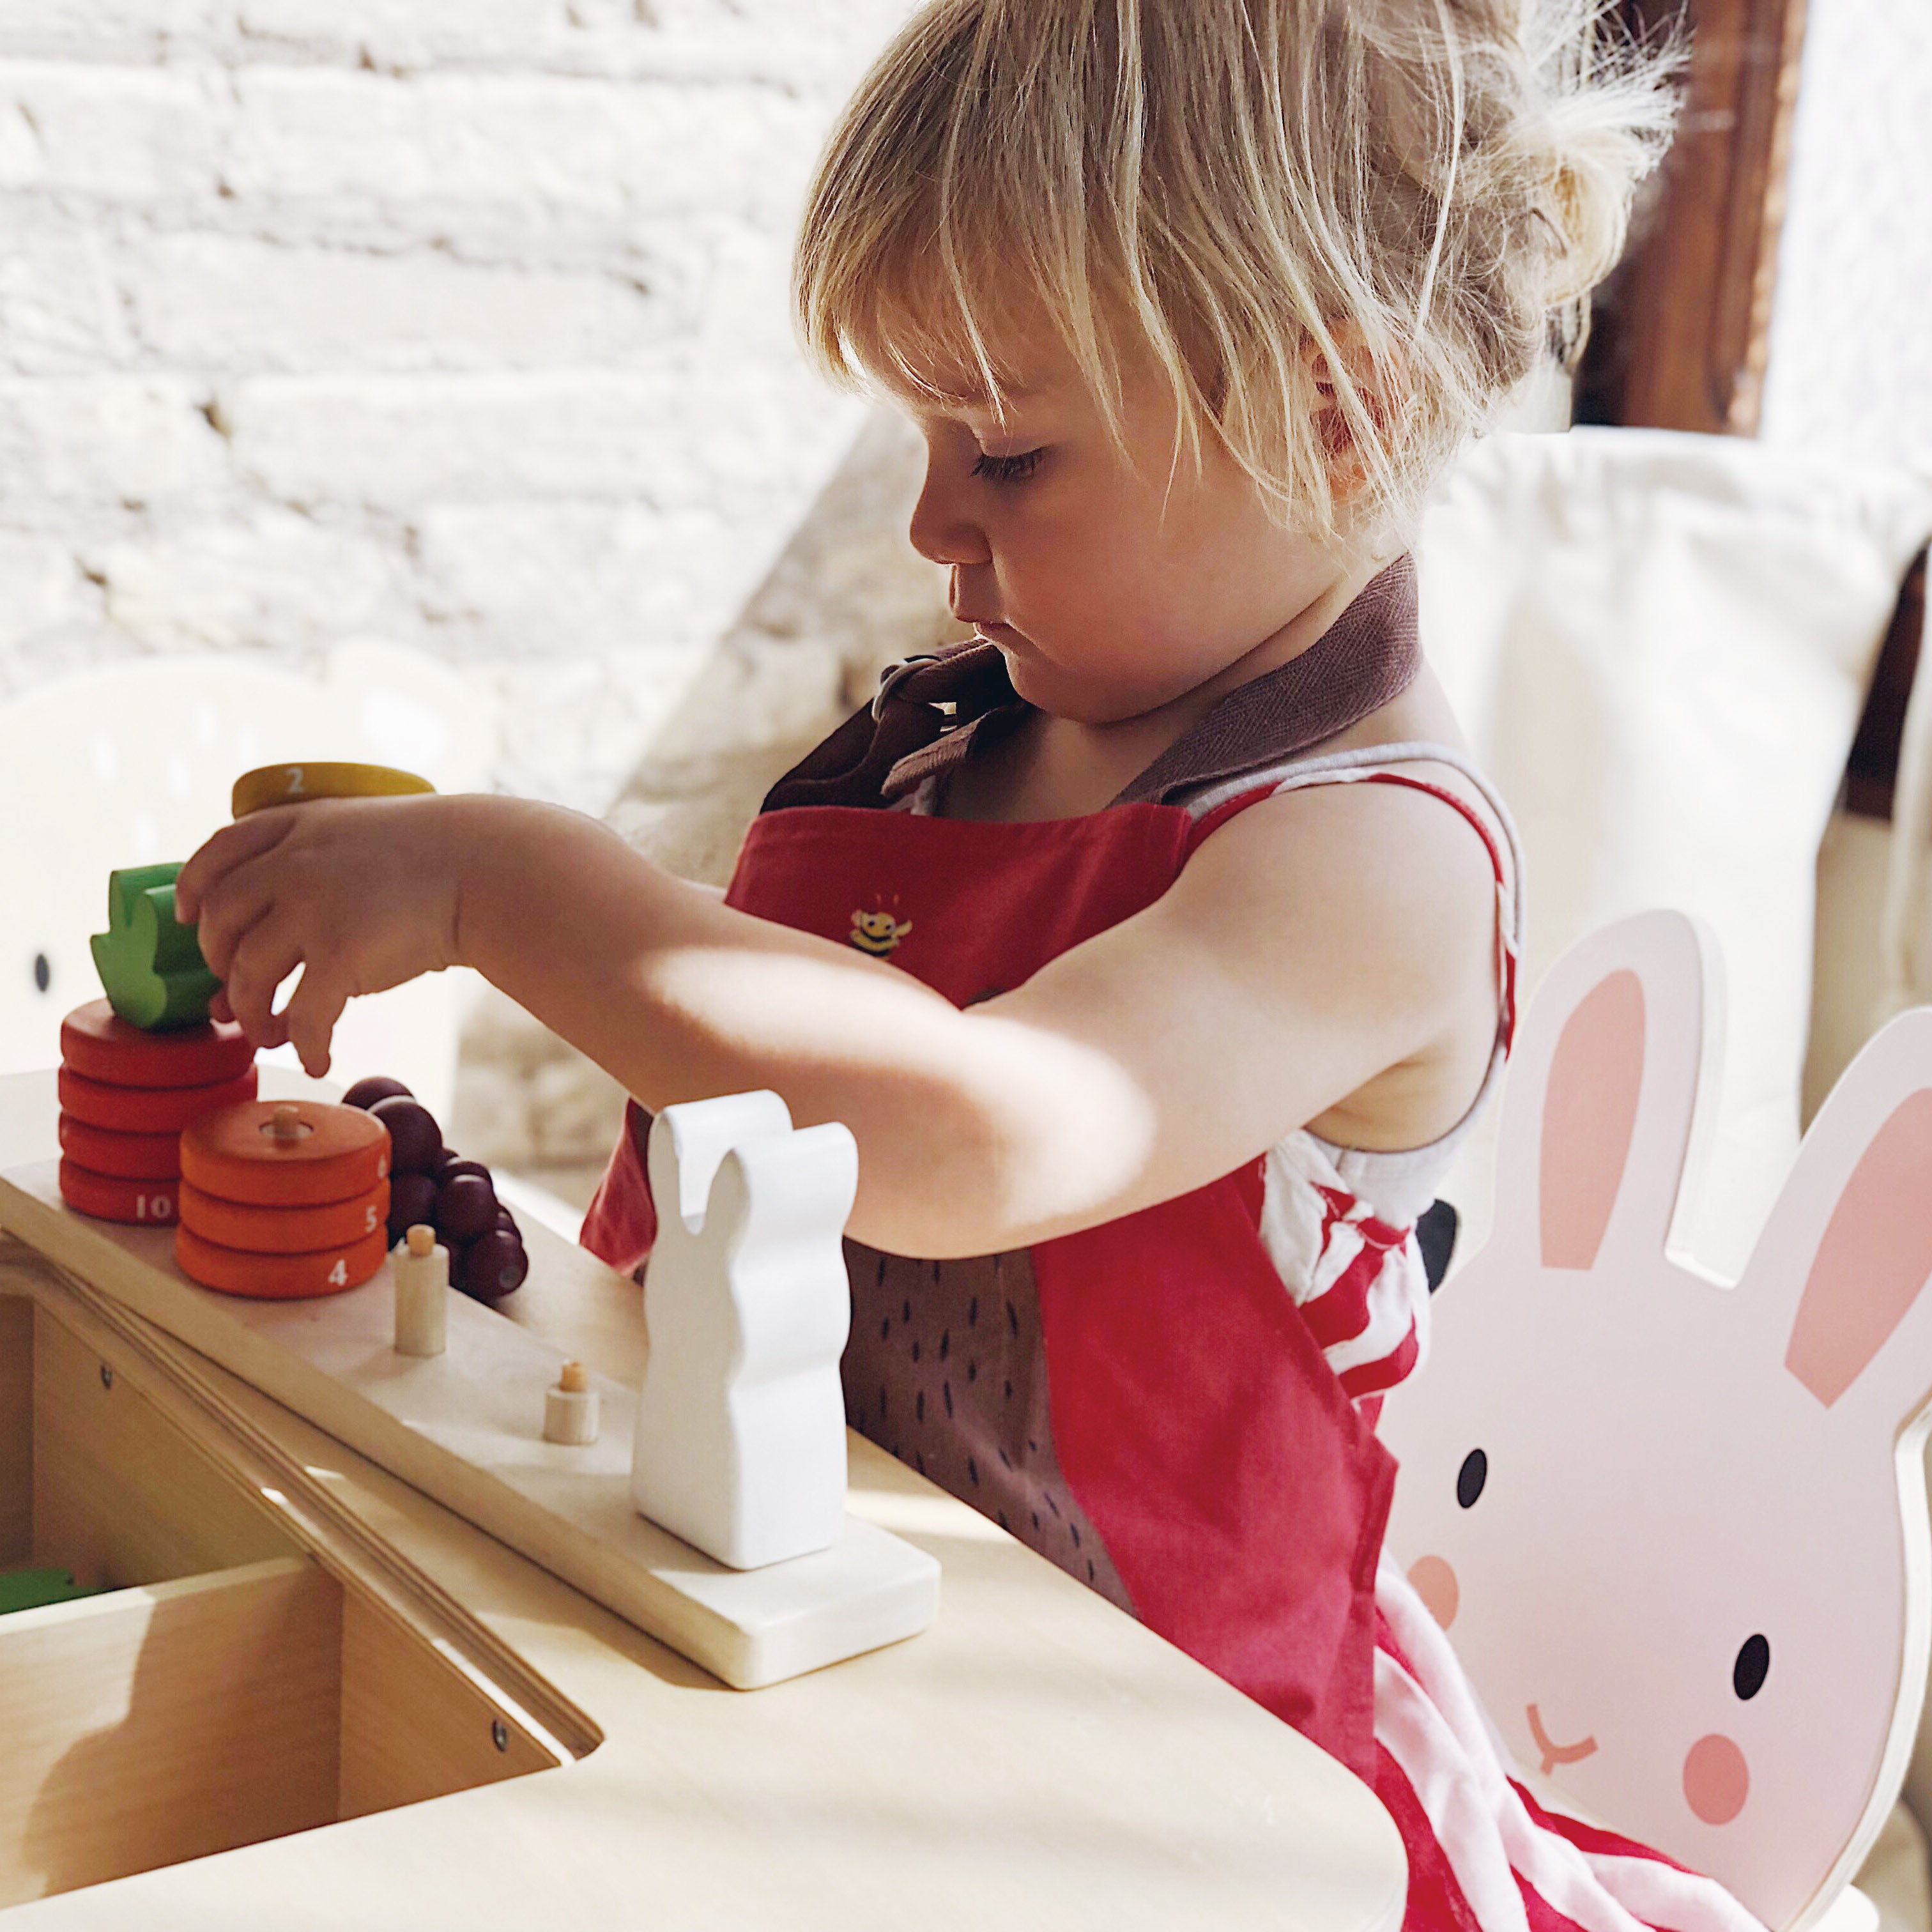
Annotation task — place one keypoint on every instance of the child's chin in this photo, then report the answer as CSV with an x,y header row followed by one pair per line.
x,y
1080,699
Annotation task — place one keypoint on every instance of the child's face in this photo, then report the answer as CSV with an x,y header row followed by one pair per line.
x,y
1115,582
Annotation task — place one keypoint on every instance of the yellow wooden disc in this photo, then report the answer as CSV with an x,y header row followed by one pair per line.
x,y
292,784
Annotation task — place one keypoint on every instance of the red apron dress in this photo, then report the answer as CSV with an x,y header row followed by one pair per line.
x,y
1144,1403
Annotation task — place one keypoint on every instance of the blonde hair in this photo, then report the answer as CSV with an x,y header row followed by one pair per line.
x,y
1393,197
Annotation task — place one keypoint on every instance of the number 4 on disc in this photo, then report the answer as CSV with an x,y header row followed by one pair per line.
x,y
279,1277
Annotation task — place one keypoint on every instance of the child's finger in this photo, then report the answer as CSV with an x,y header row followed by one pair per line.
x,y
267,954
218,1008
232,846
310,1015
239,903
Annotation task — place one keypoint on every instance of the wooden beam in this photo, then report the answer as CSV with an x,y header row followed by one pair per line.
x,y
1682,331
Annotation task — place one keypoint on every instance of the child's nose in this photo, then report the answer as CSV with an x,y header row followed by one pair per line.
x,y
942,532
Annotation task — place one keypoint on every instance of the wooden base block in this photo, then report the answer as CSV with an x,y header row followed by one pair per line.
x,y
466,1427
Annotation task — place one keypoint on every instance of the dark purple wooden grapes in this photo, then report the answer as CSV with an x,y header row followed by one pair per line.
x,y
416,1141
377,1087
412,1198
465,1208
454,1164
492,1266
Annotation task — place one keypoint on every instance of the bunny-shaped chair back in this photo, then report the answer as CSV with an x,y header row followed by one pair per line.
x,y
1677,1529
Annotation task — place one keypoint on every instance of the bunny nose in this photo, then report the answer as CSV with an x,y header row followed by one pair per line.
x,y
1554,1754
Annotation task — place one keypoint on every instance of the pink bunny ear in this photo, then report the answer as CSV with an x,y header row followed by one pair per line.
x,y
1875,1258
1605,1111
1589,1114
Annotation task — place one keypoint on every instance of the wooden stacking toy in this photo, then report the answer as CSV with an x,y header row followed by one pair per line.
x,y
283,1201
125,1094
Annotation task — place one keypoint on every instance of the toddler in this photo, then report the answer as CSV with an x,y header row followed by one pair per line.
x,y
1158,946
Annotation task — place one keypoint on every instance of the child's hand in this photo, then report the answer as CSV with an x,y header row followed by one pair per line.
x,y
362,894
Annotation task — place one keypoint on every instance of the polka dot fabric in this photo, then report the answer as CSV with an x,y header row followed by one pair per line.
x,y
946,1370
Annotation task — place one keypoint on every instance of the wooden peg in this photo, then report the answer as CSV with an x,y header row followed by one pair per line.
x,y
571,1409
421,1269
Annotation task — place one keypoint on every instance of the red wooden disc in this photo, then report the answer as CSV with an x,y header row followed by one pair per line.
x,y
129,1156
338,1153
279,1277
96,1043
147,1110
110,1197
285,1231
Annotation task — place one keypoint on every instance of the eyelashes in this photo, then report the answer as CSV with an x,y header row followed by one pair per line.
x,y
1009,469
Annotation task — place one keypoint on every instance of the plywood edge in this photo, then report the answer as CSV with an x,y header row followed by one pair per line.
x,y
143,1597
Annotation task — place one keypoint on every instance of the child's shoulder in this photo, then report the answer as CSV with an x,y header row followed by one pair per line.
x,y
1380,874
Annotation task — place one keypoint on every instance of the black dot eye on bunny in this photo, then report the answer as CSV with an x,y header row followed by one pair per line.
x,y
1471,1478
1752,1667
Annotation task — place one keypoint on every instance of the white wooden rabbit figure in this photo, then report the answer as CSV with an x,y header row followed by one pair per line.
x,y
1677,1530
741,1430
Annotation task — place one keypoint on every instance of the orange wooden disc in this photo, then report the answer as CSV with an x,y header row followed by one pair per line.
x,y
110,1197
147,1110
98,1043
128,1157
284,1230
279,1277
334,1154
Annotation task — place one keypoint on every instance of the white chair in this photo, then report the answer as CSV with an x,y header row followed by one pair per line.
x,y
132,764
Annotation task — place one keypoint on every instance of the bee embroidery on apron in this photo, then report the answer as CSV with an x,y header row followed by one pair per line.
x,y
877,933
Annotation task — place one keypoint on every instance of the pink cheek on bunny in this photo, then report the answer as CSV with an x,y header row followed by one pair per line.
x,y
1717,1780
1435,1583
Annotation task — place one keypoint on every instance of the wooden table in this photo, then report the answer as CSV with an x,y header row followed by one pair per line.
x,y
1035,1760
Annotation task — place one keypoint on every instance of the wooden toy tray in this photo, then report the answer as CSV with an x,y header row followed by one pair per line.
x,y
466,1428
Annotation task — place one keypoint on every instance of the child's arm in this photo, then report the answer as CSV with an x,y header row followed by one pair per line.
x,y
1318,941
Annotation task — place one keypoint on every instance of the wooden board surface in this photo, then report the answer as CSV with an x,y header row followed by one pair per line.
x,y
466,1427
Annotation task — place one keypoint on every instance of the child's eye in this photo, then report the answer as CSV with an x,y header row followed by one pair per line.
x,y
1009,469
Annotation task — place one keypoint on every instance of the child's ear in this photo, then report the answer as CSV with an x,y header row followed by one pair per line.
x,y
1344,374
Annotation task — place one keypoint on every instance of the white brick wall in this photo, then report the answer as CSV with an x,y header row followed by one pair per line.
x,y
1850,373
460,322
